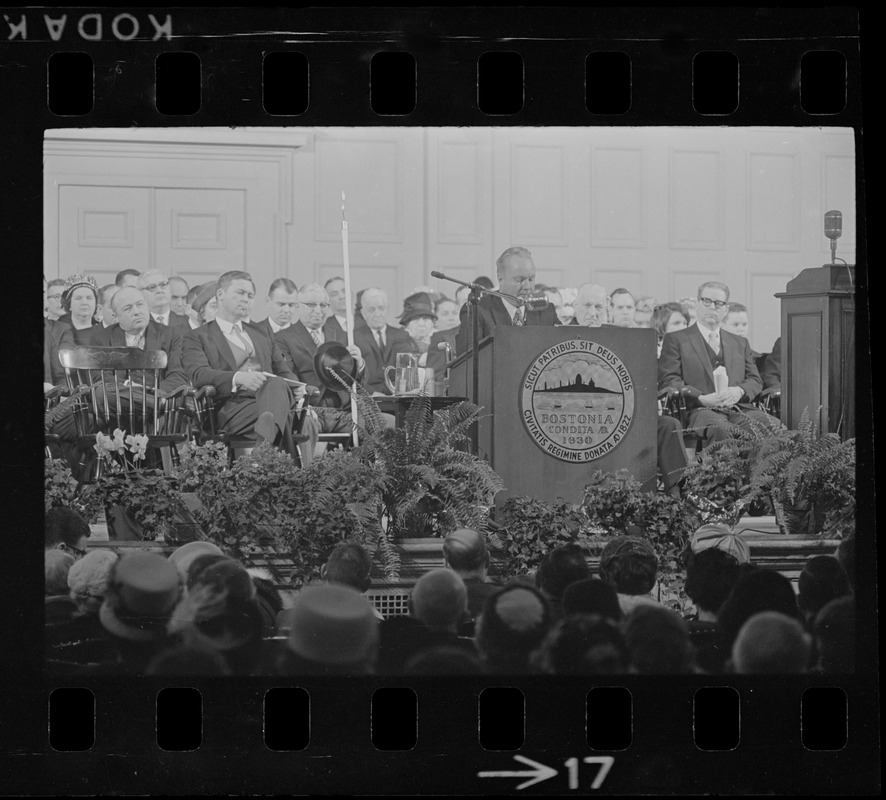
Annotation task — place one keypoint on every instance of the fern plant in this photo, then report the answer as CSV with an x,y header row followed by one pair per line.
x,y
430,484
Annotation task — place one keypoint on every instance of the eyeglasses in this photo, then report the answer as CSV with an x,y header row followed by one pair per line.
x,y
54,296
76,551
707,302
313,306
154,286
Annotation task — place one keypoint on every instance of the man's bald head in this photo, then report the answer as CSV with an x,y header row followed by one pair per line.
x,y
771,643
591,304
439,599
464,551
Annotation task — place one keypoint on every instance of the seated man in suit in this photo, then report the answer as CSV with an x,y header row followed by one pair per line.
x,y
516,277
298,344
690,356
136,328
338,300
379,342
282,302
770,374
155,286
591,310
247,370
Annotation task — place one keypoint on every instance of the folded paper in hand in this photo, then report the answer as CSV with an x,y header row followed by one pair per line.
x,y
721,380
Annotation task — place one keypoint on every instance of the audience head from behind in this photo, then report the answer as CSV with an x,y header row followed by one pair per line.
x,y
88,579
756,591
592,596
182,557
630,566
591,305
558,569
583,644
822,579
66,530
657,641
513,623
143,591
770,643
282,303
736,320
718,536
349,564
334,632
516,272
439,600
465,552
834,632
127,277
710,577
374,308
57,565
623,307
444,660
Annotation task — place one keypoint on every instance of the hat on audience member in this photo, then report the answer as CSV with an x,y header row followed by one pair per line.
x,y
89,577
205,292
184,556
417,305
79,279
335,366
716,534
227,576
142,593
332,624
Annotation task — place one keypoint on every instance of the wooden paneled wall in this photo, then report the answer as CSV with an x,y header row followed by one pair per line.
x,y
657,210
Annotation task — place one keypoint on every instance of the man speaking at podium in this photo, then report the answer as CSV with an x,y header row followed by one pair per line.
x,y
516,277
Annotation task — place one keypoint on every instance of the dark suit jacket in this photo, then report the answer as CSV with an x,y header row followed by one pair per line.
x,y
492,312
157,337
332,324
437,358
298,350
208,359
57,335
396,341
770,374
684,361
177,321
82,336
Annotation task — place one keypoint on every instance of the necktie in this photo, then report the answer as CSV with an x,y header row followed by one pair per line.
x,y
161,319
316,336
135,341
247,345
714,341
518,316
380,338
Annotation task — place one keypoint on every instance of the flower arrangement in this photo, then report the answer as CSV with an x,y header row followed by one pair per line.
x,y
146,498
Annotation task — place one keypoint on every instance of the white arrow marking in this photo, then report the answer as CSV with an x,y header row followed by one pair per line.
x,y
539,773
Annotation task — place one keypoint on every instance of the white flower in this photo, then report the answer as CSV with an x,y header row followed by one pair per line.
x,y
138,445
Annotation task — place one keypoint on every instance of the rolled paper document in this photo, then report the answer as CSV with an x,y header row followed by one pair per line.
x,y
721,380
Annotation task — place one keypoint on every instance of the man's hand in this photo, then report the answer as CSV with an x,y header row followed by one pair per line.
x,y
711,400
358,356
732,396
252,381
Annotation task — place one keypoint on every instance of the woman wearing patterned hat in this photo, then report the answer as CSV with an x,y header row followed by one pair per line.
x,y
80,301
419,318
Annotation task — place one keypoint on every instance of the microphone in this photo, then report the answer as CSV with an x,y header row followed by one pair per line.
x,y
435,274
833,224
536,303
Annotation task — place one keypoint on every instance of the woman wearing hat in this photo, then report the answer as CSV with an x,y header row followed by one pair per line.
x,y
80,301
202,304
419,319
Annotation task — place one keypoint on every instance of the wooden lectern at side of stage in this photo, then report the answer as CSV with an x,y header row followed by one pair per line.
x,y
818,348
560,403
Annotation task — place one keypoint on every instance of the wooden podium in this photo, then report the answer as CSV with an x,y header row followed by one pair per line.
x,y
818,348
562,402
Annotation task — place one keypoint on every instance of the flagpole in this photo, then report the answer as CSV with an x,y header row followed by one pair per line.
x,y
349,308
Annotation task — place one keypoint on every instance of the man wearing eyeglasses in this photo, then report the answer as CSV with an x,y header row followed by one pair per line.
x,y
155,287
690,356
299,343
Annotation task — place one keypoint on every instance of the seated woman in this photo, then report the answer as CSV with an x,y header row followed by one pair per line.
x,y
80,301
668,318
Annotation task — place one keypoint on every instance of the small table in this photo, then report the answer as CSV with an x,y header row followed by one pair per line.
x,y
398,405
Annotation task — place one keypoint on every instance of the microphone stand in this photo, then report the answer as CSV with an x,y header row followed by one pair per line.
x,y
477,291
